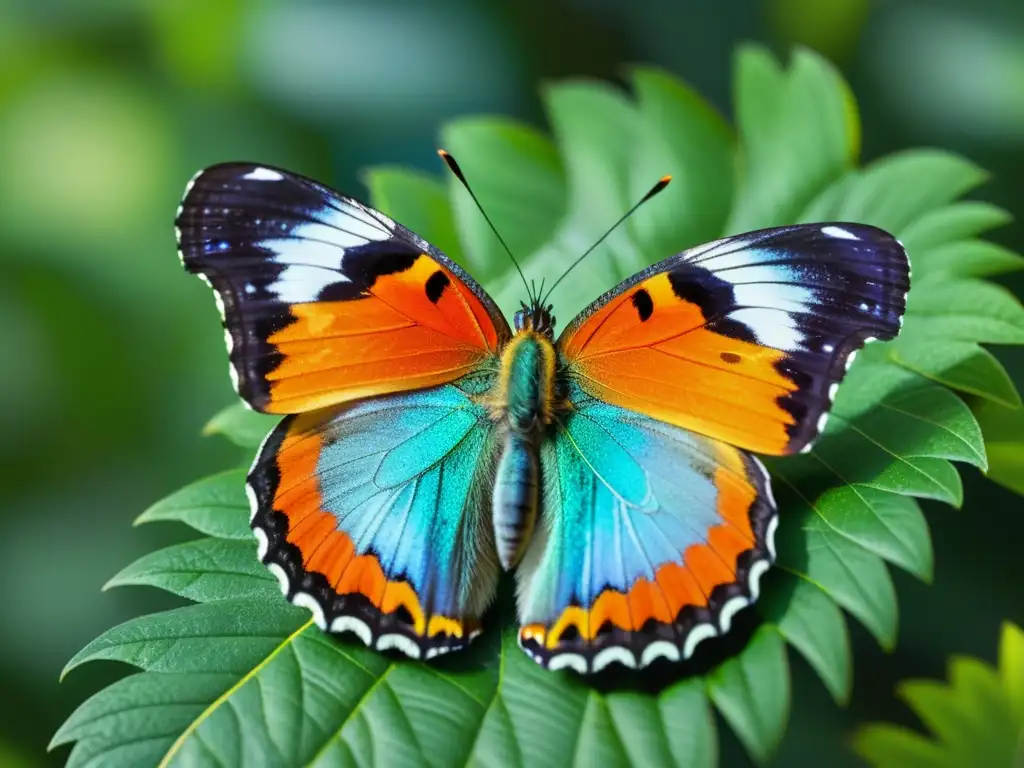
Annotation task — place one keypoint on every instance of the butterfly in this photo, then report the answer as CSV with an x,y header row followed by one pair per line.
x,y
427,445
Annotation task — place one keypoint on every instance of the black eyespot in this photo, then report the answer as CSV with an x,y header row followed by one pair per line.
x,y
436,284
403,616
644,305
730,357
569,634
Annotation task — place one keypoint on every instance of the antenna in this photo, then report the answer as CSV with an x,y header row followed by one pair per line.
x,y
662,183
455,169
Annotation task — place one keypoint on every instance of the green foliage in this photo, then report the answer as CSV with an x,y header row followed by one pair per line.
x,y
977,718
241,673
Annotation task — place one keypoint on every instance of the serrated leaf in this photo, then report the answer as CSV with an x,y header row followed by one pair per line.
x,y
964,258
960,365
203,570
242,426
239,680
894,192
952,223
888,524
421,202
1011,668
1004,440
852,576
215,505
810,621
974,719
751,692
595,128
236,634
963,310
798,130
683,136
518,178
890,745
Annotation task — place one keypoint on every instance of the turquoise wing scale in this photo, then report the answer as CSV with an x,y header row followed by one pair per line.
x,y
653,538
376,516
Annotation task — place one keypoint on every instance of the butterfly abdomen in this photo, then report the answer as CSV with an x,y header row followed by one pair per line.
x,y
522,403
516,496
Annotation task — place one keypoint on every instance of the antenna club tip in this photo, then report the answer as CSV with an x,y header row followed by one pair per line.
x,y
664,179
443,153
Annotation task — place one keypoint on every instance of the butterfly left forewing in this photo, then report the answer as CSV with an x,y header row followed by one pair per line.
x,y
325,300
654,538
744,339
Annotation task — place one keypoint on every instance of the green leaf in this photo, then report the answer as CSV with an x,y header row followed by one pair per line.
x,y
203,570
241,425
975,718
888,524
854,577
421,201
964,258
959,365
811,622
951,224
895,192
964,310
216,506
595,129
1011,668
1004,440
883,745
518,178
751,692
799,132
242,677
683,136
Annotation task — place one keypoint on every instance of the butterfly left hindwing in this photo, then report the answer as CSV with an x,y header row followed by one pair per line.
x,y
373,515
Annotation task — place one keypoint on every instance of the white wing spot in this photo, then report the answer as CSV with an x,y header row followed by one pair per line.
x,y
697,634
729,610
613,654
400,642
839,232
659,649
353,625
573,661
305,600
263,174
282,577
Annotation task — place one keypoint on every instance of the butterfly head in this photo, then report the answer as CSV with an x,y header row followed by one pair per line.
x,y
535,317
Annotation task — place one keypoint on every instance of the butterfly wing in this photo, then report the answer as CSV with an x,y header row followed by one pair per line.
x,y
746,338
372,515
324,299
653,538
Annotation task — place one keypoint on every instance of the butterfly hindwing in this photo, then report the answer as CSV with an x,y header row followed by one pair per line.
x,y
324,299
376,516
744,339
653,538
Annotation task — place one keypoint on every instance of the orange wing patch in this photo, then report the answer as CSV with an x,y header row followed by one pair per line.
x,y
651,351
416,328
323,299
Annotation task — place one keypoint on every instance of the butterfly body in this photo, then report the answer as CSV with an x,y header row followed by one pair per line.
x,y
521,405
428,445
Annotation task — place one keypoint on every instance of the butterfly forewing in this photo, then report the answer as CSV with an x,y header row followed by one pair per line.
x,y
325,300
744,339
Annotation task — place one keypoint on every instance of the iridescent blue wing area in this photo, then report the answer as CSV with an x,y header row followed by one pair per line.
x,y
744,339
376,516
652,538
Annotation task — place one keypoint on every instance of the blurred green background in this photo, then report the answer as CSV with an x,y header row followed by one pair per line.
x,y
111,358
